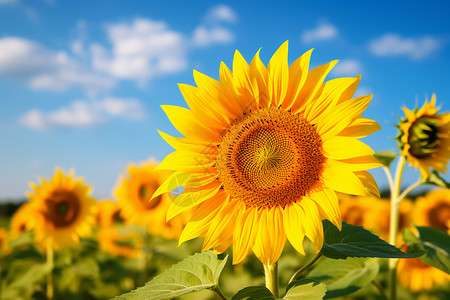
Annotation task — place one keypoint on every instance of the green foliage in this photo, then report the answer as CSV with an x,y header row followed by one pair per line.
x,y
436,244
195,273
355,241
385,157
343,277
300,289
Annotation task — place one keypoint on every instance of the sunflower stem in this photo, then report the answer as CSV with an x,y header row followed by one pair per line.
x,y
410,188
304,268
271,274
219,293
50,289
393,225
379,289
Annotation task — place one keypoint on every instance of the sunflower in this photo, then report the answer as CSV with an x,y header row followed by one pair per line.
x,y
4,240
424,138
134,192
418,276
433,209
378,218
21,220
62,209
263,152
126,244
108,213
354,210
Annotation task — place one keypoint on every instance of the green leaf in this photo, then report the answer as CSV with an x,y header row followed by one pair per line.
x,y
26,238
195,273
355,241
347,276
435,179
385,157
254,293
305,289
436,244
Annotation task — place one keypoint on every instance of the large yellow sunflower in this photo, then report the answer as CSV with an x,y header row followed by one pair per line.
x,y
433,209
134,192
424,138
263,152
418,276
63,210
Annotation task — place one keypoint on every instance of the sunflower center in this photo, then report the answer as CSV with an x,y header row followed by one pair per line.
x,y
271,157
423,137
439,215
145,193
63,208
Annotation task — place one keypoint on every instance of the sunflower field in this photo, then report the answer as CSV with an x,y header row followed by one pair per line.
x,y
265,196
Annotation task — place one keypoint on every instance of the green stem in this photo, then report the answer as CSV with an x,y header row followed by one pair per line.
x,y
219,293
380,289
271,274
305,267
50,288
409,189
393,225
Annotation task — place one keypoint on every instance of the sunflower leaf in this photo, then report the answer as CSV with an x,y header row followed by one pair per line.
x,y
195,273
436,244
385,157
437,180
305,289
347,277
254,293
355,241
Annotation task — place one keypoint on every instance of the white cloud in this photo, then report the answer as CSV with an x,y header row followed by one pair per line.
x,y
362,91
81,114
395,45
323,32
221,13
347,67
6,2
141,50
204,36
43,68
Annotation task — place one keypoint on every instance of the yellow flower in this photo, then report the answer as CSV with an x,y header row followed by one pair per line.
x,y
425,138
21,220
354,210
418,276
378,217
63,211
433,209
108,213
134,194
264,151
126,244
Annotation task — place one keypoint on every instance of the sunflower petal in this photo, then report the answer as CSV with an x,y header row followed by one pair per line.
x,y
328,204
312,223
278,71
340,147
293,217
361,127
338,177
244,235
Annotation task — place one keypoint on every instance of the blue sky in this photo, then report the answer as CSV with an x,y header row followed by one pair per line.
x,y
82,81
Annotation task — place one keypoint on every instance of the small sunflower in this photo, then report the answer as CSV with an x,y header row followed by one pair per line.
x,y
424,138
63,210
418,276
21,220
108,213
263,152
134,193
354,210
126,244
433,209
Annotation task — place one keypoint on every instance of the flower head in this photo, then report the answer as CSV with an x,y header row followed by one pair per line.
x,y
21,220
424,138
134,192
433,210
62,210
120,241
263,152
108,213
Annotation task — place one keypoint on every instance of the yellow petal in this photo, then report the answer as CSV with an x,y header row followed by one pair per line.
x,y
312,222
260,78
362,163
369,182
350,91
244,235
328,204
340,147
278,75
338,177
361,127
183,160
180,143
293,217
298,71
